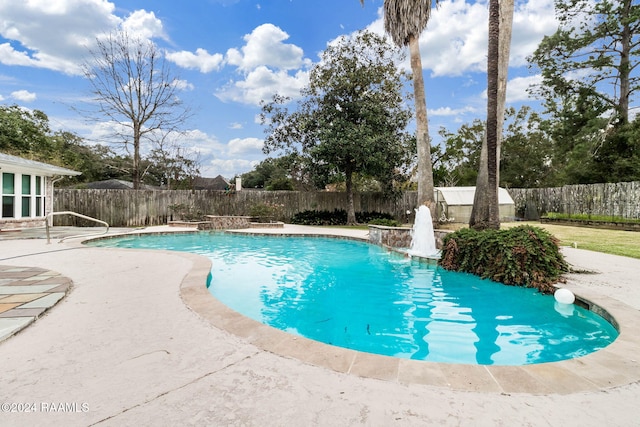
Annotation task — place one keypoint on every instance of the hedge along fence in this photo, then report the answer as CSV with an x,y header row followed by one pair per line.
x,y
615,200
136,208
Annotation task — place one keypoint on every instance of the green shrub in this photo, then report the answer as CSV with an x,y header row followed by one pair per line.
x,y
309,217
266,210
368,217
524,256
593,218
338,217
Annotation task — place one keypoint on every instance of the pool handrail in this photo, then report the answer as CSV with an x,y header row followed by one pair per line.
x,y
51,214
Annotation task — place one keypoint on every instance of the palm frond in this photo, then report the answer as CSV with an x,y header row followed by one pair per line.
x,y
405,18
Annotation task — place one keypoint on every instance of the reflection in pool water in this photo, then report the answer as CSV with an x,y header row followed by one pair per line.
x,y
360,296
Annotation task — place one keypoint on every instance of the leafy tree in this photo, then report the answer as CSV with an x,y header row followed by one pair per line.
x,y
133,86
591,52
458,162
271,174
576,127
71,151
618,158
589,77
352,115
25,133
404,21
526,152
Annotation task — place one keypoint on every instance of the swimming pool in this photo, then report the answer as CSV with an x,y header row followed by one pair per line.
x,y
356,295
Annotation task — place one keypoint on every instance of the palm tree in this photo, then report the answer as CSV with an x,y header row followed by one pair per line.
x,y
404,21
485,212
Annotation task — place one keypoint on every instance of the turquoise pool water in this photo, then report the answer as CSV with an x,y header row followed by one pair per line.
x,y
356,295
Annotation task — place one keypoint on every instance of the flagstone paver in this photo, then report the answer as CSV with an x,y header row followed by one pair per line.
x,y
25,294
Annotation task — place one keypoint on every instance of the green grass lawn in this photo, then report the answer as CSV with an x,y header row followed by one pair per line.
x,y
625,243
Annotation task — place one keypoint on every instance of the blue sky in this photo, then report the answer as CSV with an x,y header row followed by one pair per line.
x,y
230,54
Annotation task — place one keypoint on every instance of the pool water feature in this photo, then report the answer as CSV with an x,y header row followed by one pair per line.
x,y
423,239
360,296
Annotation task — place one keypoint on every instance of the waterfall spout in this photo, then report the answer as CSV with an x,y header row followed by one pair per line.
x,y
423,240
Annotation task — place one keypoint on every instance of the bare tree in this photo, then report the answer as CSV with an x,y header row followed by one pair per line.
x,y
133,86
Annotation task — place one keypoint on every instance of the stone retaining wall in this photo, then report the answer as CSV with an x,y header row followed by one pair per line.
x,y
231,222
398,237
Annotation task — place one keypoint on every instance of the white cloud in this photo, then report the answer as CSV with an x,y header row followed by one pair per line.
x,y
53,34
265,47
228,168
217,158
517,88
262,83
267,65
203,143
235,125
143,24
24,96
448,111
9,56
202,60
240,146
183,85
56,34
455,40
531,22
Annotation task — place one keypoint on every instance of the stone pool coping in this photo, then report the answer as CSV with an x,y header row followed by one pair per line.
x,y
616,365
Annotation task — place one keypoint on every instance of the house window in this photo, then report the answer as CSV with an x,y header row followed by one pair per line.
x,y
26,196
8,195
39,197
22,195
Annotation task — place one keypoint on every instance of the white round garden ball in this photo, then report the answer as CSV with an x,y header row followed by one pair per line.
x,y
564,296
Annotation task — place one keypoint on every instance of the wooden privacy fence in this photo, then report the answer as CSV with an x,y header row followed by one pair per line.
x,y
136,208
131,208
615,200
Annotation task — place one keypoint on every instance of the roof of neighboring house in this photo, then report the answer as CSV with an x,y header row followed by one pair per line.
x,y
7,161
117,184
464,195
217,183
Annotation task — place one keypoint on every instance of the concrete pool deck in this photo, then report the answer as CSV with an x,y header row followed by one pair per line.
x,y
132,344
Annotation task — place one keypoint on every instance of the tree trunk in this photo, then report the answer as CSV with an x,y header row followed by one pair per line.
x,y
625,65
136,158
493,220
482,215
425,169
351,211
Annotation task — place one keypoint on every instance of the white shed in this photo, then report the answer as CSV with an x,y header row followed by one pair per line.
x,y
455,203
26,188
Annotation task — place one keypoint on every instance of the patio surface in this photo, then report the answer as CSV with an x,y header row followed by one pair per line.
x,y
136,342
